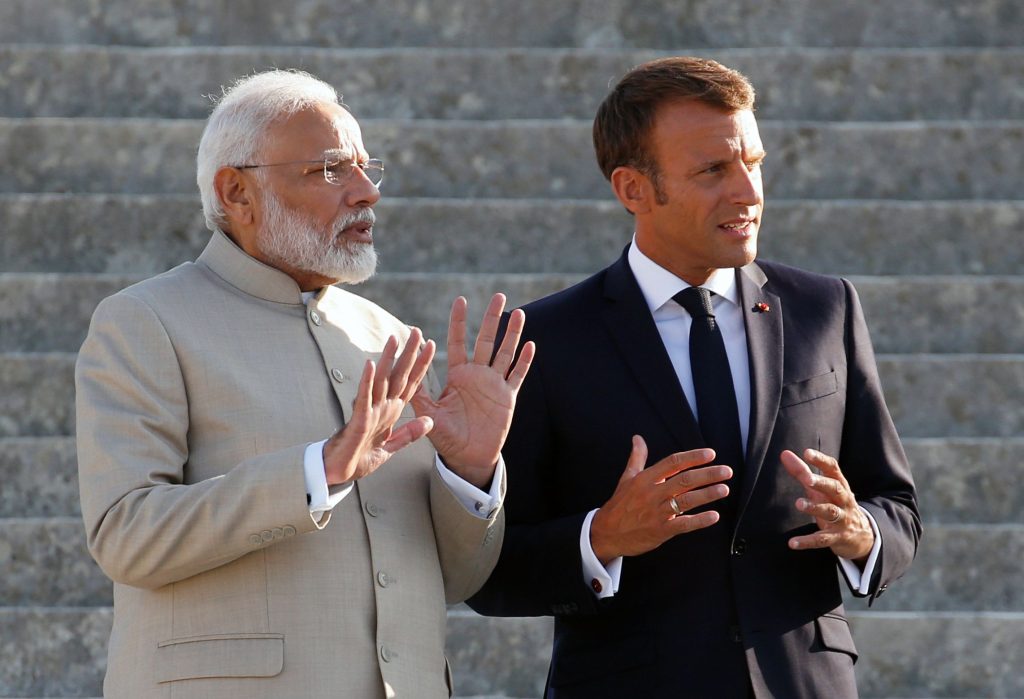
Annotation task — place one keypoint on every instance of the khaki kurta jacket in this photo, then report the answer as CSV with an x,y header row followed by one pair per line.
x,y
197,393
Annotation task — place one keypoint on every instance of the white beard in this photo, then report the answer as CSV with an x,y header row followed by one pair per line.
x,y
289,238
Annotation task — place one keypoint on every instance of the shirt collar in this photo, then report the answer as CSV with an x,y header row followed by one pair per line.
x,y
658,285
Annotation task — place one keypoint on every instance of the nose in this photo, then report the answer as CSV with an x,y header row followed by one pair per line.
x,y
360,191
747,187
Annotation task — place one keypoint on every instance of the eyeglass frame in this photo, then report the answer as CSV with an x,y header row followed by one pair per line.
x,y
371,165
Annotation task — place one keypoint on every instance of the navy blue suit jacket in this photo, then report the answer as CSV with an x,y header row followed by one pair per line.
x,y
725,610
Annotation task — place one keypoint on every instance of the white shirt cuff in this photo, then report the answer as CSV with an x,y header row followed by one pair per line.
x,y
860,580
603,581
472,498
321,497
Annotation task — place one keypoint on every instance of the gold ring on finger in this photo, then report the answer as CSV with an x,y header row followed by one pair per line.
x,y
675,506
839,516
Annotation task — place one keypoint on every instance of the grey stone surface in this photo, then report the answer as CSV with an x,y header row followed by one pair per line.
x,y
37,394
962,567
50,312
940,655
928,395
506,655
55,652
954,395
46,563
820,84
969,480
528,158
147,234
590,23
40,477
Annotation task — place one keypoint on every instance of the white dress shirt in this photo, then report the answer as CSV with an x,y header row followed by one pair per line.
x,y
658,286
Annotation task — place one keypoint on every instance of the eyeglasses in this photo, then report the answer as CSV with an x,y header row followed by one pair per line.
x,y
337,171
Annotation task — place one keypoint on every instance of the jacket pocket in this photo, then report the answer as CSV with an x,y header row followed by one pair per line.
x,y
220,655
809,389
834,634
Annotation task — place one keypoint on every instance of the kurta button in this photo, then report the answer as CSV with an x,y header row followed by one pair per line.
x,y
288,530
338,376
383,579
266,534
372,509
255,539
315,317
385,654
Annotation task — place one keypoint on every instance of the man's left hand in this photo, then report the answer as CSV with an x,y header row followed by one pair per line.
x,y
473,413
842,525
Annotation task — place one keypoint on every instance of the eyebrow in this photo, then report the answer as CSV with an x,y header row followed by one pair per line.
x,y
339,153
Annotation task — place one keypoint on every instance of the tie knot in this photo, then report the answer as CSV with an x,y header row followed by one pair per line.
x,y
697,302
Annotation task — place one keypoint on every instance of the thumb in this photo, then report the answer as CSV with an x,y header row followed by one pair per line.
x,y
408,433
637,459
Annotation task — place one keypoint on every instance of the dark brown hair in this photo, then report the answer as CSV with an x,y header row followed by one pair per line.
x,y
625,118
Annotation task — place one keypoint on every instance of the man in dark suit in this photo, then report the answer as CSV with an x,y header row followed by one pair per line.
x,y
744,402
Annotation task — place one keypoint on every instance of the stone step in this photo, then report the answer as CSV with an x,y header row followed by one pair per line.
x,y
958,567
51,312
972,395
697,24
146,234
820,84
532,158
959,481
61,652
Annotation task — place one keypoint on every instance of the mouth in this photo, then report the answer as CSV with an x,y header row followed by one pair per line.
x,y
739,227
361,232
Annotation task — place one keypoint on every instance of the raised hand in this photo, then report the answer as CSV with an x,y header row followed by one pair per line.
x,y
368,439
842,526
649,506
473,413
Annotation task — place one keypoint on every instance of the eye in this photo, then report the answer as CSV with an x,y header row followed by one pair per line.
x,y
337,166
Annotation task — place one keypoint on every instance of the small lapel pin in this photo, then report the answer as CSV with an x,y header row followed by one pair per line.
x,y
761,307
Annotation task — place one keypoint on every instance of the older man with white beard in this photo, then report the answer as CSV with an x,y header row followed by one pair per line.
x,y
234,419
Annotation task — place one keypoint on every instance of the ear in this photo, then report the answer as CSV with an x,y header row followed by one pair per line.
x,y
634,190
235,193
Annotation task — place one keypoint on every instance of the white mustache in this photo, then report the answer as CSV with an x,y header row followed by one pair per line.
x,y
364,215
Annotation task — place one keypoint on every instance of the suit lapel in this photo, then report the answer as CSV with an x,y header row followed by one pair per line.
x,y
635,337
765,352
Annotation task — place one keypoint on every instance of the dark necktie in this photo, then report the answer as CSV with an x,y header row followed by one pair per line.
x,y
712,381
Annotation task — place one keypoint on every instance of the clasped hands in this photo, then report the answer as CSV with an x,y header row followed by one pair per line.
x,y
640,515
467,423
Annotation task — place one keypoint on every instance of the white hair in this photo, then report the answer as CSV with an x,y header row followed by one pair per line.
x,y
234,133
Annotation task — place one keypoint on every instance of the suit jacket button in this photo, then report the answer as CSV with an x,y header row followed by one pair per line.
x,y
735,635
338,376
383,579
315,317
266,534
386,654
740,547
255,540
288,530
372,509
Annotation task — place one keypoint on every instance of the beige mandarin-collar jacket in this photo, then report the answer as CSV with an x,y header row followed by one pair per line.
x,y
197,393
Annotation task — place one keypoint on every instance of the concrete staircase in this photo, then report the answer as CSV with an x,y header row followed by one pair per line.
x,y
895,135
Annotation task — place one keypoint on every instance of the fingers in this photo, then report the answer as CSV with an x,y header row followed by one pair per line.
x,y
816,487
636,461
679,461
699,497
419,371
518,373
457,333
689,523
489,331
361,404
400,374
506,353
384,364
821,539
408,433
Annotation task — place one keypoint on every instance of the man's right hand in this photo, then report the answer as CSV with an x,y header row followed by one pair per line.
x,y
366,441
639,516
